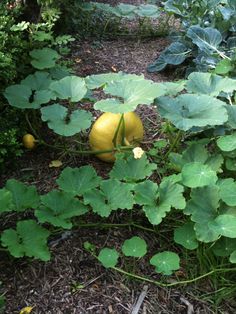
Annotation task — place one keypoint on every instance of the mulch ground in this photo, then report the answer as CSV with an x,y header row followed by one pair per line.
x,y
73,282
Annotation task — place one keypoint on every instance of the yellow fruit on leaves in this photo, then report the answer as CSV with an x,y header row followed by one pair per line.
x,y
103,131
29,141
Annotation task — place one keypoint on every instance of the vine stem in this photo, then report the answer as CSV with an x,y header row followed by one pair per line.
x,y
107,225
165,285
81,152
182,282
174,144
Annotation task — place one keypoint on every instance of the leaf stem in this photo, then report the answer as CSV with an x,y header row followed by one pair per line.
x,y
30,125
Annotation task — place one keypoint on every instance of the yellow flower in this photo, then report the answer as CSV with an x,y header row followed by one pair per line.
x,y
138,152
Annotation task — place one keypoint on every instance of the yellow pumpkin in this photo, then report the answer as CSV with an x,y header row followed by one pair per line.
x,y
104,128
29,141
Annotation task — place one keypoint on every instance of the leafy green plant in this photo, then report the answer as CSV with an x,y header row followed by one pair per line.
x,y
206,36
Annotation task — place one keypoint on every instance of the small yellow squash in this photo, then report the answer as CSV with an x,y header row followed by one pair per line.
x,y
103,131
28,141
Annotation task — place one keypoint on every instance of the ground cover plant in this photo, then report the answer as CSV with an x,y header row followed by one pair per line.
x,y
179,190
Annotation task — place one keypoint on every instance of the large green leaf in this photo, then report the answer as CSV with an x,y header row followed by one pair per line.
x,y
225,225
228,191
38,81
209,84
146,193
227,143
195,174
112,195
97,200
69,87
188,111
23,97
207,39
158,65
176,53
224,246
77,181
185,236
172,88
165,262
157,202
29,239
99,80
118,194
64,123
44,58
59,208
6,201
205,233
232,116
204,212
133,93
24,196
131,169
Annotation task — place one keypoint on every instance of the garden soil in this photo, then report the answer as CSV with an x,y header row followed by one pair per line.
x,y
73,282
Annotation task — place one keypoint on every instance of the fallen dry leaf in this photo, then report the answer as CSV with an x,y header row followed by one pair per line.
x,y
55,164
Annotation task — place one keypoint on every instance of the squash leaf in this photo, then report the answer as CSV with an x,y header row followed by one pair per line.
x,y
64,123
59,208
77,181
131,169
69,87
133,93
20,242
23,196
6,201
188,111
112,195
44,58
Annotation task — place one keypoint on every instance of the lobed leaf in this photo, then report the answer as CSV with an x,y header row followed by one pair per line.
x,y
23,196
20,242
44,58
59,208
69,87
64,123
6,201
131,169
188,111
77,181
